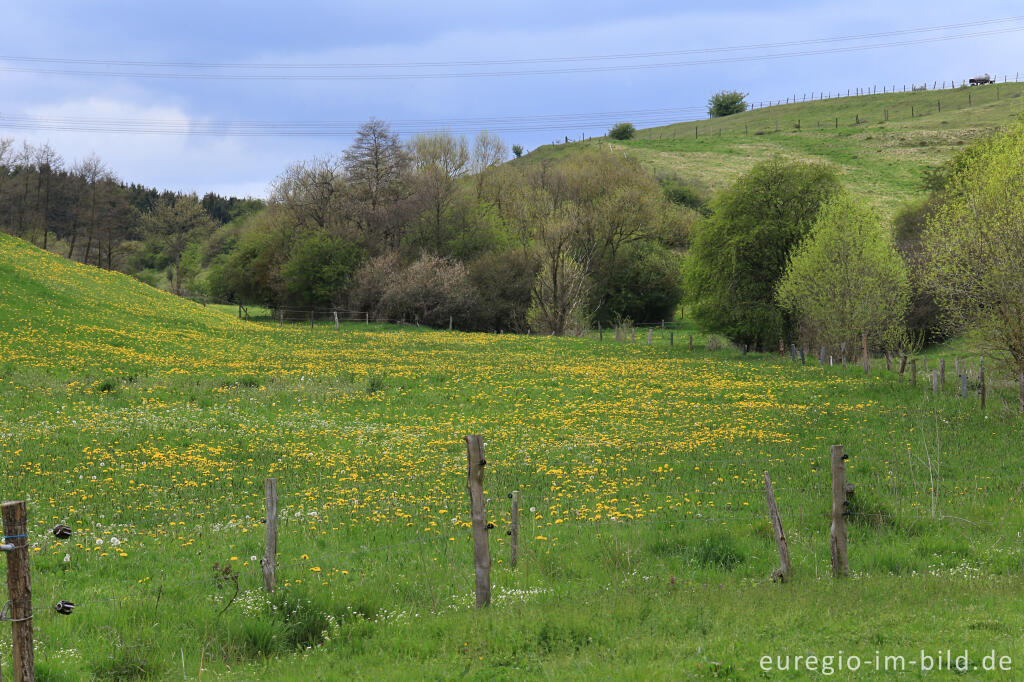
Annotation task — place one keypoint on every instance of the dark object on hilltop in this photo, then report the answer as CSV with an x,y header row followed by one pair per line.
x,y
981,80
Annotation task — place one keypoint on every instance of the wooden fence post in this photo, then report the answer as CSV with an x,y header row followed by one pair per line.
x,y
367,317
691,341
19,590
981,378
792,351
837,534
803,357
478,515
310,319
671,339
785,570
821,356
956,363
867,358
514,529
269,561
942,372
337,325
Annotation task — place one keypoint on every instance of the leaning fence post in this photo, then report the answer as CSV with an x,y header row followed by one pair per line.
x,y
981,378
19,590
478,515
514,529
837,534
785,570
269,561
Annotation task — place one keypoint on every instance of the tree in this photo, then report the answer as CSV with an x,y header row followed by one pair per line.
x,y
318,271
517,150
846,279
726,103
377,165
622,131
560,292
974,243
741,249
175,222
439,160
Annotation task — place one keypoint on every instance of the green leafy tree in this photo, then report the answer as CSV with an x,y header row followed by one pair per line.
x,y
318,270
622,131
846,279
517,150
175,222
739,252
974,242
727,103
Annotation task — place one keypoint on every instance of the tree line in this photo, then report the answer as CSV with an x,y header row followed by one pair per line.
x,y
86,213
786,253
441,228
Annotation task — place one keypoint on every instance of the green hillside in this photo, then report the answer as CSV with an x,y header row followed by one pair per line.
x,y
881,143
148,425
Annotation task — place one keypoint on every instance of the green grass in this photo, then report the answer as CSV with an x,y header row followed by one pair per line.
x,y
883,160
646,550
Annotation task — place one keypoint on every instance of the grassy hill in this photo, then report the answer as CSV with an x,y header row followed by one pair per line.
x,y
880,143
148,425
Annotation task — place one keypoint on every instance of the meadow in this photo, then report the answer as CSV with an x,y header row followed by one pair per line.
x,y
148,424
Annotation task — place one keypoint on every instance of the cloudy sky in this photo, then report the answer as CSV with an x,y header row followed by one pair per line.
x,y
221,96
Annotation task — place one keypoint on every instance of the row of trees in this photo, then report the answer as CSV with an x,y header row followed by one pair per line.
x,y
441,227
83,211
787,253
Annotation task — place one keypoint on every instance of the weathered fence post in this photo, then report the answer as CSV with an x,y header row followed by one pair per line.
x,y
821,356
19,590
671,339
785,570
269,561
782,348
867,358
803,357
367,317
981,378
478,515
792,351
514,529
942,372
450,322
691,341
956,363
837,534
337,325
310,319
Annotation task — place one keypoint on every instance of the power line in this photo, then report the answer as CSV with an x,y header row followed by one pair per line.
x,y
494,62
488,74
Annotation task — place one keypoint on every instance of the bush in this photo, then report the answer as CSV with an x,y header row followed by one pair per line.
x,y
371,281
741,250
503,281
726,103
622,131
644,285
431,291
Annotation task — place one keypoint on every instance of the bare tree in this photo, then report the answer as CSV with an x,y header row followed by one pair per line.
x,y
310,193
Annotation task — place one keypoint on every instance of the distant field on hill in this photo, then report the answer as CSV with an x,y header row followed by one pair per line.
x,y
880,159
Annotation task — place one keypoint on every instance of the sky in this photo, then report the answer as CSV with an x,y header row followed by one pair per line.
x,y
145,87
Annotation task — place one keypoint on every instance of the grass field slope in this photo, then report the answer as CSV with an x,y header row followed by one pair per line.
x,y
148,425
881,144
